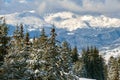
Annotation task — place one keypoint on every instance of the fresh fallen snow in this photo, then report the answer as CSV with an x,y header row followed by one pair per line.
x,y
115,52
85,79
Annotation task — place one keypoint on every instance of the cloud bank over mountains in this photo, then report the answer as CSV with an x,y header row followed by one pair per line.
x,y
105,7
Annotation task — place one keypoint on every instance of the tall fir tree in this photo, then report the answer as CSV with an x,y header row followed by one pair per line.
x,y
16,65
118,67
52,57
21,31
94,63
113,69
52,39
75,54
18,41
42,40
79,68
27,38
4,39
66,57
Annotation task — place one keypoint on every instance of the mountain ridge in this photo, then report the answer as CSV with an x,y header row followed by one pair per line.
x,y
67,20
80,31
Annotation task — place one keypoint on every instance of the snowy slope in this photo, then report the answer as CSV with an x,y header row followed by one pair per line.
x,y
27,18
111,50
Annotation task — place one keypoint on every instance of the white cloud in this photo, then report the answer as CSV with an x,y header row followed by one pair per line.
x,y
105,7
56,5
22,1
70,5
42,7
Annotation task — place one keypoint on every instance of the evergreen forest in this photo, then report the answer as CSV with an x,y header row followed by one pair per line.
x,y
46,58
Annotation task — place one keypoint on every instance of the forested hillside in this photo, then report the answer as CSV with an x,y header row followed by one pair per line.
x,y
46,58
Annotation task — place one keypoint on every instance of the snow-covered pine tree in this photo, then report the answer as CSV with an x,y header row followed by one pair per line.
x,y
113,73
66,57
57,60
27,39
18,38
15,66
119,67
51,58
42,40
4,39
79,69
66,61
16,62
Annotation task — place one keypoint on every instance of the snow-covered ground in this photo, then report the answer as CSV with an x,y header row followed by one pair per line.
x,y
113,50
85,79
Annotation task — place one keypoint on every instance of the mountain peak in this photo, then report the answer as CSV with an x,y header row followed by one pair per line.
x,y
67,20
72,21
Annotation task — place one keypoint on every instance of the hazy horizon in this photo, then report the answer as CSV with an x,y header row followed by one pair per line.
x,y
110,8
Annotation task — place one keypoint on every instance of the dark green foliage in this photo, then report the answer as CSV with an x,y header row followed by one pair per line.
x,y
75,54
43,37
93,63
66,57
52,39
16,65
4,40
43,33
16,34
42,40
21,31
79,69
53,67
27,38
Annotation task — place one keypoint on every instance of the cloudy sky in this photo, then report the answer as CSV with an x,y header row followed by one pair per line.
x,y
109,8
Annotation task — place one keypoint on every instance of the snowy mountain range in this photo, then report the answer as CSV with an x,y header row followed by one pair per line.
x,y
82,23
78,30
67,20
